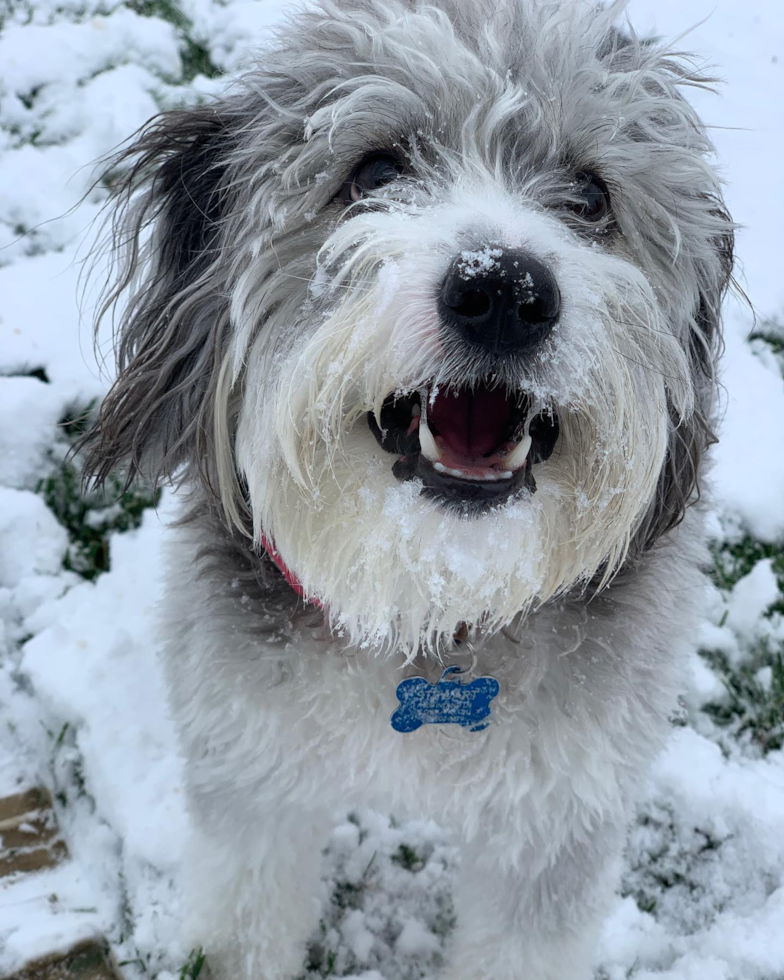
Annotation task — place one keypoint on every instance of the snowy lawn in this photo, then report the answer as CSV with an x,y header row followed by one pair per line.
x,y
82,708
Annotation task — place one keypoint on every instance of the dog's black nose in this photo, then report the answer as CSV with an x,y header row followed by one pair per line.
x,y
502,300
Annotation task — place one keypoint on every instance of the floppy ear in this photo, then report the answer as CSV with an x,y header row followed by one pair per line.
x,y
164,238
704,258
679,482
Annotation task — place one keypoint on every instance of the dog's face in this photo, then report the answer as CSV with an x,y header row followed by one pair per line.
x,y
431,300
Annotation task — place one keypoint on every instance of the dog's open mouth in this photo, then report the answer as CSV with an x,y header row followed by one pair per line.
x,y
472,445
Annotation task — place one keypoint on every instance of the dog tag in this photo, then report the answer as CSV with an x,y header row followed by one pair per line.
x,y
448,702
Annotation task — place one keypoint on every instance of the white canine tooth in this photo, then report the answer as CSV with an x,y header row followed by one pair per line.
x,y
426,441
440,467
506,475
416,410
515,459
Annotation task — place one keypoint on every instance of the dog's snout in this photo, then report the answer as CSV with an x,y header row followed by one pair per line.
x,y
503,301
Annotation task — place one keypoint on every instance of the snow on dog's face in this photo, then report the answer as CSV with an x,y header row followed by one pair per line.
x,y
431,301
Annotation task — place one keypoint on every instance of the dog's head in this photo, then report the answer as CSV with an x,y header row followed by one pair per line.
x,y
430,300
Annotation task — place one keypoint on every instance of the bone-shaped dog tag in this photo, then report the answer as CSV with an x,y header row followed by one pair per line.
x,y
444,703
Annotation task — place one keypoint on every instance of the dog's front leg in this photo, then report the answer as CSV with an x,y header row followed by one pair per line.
x,y
535,918
254,892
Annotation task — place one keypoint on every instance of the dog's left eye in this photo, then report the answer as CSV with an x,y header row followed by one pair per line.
x,y
374,172
591,200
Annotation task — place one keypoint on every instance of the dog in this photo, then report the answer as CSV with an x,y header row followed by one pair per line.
x,y
423,314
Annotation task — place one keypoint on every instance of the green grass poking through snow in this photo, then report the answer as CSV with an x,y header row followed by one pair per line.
x,y
89,515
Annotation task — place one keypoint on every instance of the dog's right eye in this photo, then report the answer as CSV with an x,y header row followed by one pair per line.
x,y
592,198
374,172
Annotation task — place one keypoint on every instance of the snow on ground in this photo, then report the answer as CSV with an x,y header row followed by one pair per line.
x,y
82,707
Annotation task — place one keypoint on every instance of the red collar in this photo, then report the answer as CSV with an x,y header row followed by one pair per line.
x,y
285,571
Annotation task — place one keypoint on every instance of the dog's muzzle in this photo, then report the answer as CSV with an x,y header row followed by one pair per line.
x,y
475,444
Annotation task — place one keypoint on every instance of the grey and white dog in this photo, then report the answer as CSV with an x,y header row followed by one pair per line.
x,y
425,314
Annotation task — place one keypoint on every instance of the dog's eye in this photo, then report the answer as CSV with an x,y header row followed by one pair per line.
x,y
591,200
374,172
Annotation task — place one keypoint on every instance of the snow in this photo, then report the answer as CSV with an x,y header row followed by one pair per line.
x,y
749,460
33,541
478,262
750,599
36,402
34,56
734,901
131,755
81,695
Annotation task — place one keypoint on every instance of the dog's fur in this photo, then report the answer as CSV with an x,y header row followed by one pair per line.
x,y
264,319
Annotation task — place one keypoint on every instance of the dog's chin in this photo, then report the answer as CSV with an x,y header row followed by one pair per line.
x,y
422,568
399,564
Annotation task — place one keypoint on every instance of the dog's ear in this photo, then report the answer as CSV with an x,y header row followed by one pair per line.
x,y
164,245
679,482
705,257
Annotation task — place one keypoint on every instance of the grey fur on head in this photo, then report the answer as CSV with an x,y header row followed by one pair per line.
x,y
236,254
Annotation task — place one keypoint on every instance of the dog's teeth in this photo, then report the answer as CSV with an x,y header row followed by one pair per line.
x,y
427,443
506,475
416,410
440,467
517,457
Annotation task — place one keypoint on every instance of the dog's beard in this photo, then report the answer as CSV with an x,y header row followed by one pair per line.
x,y
391,566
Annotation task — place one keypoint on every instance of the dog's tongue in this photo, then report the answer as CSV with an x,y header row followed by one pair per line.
x,y
471,422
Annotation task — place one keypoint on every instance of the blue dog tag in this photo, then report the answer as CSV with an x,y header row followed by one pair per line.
x,y
446,702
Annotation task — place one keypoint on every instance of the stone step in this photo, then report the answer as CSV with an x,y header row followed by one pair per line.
x,y
88,961
29,837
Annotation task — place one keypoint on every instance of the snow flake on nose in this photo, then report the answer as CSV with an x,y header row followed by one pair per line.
x,y
480,262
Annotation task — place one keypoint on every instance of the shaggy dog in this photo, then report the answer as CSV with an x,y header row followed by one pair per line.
x,y
424,312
